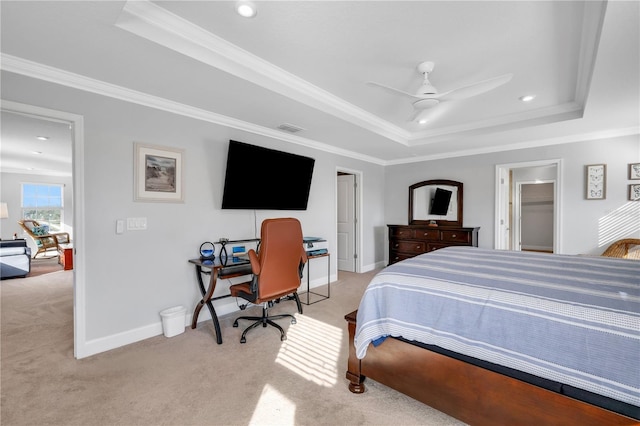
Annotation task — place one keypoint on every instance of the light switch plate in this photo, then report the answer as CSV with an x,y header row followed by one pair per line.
x,y
119,226
136,223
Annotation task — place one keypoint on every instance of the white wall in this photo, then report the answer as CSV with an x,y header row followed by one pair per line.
x,y
588,226
131,277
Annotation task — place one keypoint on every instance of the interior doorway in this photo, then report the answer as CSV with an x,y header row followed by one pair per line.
x,y
542,214
76,128
533,216
347,220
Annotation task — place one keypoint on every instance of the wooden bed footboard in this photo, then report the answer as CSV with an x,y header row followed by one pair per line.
x,y
469,393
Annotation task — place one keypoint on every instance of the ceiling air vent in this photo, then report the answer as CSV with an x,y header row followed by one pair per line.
x,y
289,128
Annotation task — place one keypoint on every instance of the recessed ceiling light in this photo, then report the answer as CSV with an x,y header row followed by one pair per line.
x,y
423,121
246,9
42,138
527,98
36,152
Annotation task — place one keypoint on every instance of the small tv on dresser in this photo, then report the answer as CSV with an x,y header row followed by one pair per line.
x,y
440,203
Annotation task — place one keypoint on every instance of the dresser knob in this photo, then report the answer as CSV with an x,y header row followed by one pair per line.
x,y
417,247
453,236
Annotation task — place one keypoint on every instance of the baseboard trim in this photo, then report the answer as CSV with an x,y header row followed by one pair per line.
x,y
223,307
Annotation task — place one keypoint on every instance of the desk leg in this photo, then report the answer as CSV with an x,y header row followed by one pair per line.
x,y
206,299
309,292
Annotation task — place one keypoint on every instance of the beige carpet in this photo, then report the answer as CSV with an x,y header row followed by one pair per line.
x,y
188,379
44,265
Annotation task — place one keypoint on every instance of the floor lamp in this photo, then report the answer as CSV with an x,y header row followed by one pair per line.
x,y
4,212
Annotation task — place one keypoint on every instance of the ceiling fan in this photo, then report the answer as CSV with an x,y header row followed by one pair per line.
x,y
427,95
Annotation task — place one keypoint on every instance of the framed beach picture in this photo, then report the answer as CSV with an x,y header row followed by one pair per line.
x,y
596,181
158,173
634,192
634,171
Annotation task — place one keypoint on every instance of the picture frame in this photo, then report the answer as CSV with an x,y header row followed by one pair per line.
x,y
634,192
158,173
634,171
596,181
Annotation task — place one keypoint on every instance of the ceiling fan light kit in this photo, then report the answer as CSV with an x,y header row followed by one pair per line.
x,y
427,96
425,103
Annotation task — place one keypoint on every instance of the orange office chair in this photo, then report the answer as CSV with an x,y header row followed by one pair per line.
x,y
276,272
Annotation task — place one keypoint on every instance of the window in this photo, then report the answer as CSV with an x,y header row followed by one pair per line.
x,y
43,202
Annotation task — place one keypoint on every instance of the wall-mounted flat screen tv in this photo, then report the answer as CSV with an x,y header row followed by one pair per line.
x,y
259,178
440,203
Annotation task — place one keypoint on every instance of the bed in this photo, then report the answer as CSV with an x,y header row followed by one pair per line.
x,y
504,337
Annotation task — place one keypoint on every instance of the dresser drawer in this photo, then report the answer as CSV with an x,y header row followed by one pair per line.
x,y
426,234
456,236
394,256
433,247
401,233
410,246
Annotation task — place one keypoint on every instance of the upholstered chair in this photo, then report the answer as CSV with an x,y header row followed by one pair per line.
x,y
276,269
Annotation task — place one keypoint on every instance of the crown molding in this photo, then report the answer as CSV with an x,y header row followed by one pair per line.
x,y
43,72
582,137
54,75
154,23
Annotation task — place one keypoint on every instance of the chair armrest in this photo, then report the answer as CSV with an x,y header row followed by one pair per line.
x,y
61,237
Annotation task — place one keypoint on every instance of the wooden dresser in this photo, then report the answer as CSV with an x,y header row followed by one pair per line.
x,y
406,241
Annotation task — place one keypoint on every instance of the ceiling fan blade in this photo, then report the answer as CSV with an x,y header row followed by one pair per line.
x,y
474,89
393,90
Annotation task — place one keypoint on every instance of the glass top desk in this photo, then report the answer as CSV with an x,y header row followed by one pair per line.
x,y
220,267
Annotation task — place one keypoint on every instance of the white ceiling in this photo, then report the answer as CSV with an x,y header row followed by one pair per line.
x,y
306,63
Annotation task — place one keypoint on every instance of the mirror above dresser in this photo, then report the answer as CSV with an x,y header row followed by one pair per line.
x,y
436,200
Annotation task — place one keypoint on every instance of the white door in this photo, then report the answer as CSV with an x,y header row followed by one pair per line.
x,y
346,223
503,217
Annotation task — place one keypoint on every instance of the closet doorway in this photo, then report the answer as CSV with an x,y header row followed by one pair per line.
x,y
533,216
542,207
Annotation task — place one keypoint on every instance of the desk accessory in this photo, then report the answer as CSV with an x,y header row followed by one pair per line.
x,y
317,252
207,251
310,240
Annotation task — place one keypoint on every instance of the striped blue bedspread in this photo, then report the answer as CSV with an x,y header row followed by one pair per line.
x,y
572,319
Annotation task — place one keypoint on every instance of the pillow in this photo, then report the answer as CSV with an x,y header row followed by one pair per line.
x,y
40,230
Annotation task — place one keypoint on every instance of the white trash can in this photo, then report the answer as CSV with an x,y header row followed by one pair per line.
x,y
173,321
